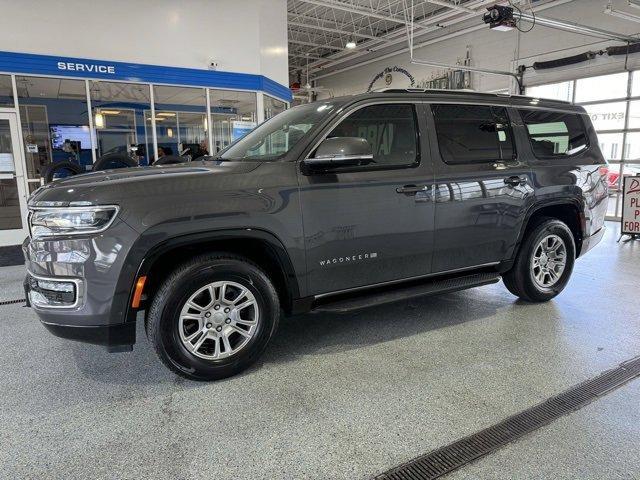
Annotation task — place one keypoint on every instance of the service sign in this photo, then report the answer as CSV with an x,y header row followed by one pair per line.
x,y
631,206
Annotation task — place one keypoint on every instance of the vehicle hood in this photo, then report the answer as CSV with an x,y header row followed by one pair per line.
x,y
141,183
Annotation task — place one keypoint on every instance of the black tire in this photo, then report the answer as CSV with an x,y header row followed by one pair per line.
x,y
163,316
60,170
113,161
520,279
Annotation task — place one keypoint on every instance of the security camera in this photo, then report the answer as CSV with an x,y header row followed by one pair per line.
x,y
499,18
213,65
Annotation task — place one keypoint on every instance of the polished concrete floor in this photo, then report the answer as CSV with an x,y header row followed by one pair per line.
x,y
338,396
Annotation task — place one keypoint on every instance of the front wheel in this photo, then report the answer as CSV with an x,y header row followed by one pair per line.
x,y
213,317
544,263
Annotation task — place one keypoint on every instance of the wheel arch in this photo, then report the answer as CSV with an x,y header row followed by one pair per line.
x,y
568,211
154,259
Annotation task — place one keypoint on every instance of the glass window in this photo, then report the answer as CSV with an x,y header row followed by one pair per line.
x,y
10,213
6,91
272,107
604,87
390,130
607,116
632,147
634,114
55,122
611,145
119,111
275,137
181,121
635,84
233,115
473,133
554,134
554,91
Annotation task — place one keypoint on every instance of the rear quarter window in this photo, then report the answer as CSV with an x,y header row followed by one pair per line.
x,y
555,134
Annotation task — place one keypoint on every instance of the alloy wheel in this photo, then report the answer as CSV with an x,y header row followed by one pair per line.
x,y
218,320
549,261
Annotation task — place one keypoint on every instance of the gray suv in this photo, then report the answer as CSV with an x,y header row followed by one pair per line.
x,y
331,206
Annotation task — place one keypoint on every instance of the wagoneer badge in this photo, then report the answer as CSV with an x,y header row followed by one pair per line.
x,y
351,258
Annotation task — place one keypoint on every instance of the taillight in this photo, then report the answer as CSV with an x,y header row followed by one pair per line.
x,y
604,171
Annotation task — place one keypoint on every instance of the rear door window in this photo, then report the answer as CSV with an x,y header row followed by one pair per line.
x,y
473,133
555,134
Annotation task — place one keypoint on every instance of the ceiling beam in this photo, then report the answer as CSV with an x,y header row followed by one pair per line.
x,y
452,5
357,10
310,44
332,30
299,55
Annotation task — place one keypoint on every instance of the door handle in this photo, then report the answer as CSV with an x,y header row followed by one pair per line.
x,y
409,189
515,181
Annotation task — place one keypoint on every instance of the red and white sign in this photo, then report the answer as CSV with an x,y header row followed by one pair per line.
x,y
631,206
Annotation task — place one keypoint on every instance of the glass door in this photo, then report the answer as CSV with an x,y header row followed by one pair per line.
x,y
13,200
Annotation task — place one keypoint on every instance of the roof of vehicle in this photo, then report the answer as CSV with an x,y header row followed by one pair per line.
x,y
464,96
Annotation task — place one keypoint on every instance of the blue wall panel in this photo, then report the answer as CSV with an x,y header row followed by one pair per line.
x,y
27,63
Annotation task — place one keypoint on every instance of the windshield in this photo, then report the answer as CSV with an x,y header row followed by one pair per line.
x,y
278,135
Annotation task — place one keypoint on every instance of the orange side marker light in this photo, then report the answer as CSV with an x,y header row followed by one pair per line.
x,y
137,294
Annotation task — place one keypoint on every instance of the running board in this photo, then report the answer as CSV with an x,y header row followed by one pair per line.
x,y
396,293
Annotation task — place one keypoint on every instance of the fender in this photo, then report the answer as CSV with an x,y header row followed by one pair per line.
x,y
150,245
536,207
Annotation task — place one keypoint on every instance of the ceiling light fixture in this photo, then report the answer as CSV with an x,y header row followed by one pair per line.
x,y
351,44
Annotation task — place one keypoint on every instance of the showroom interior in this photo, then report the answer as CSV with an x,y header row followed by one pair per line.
x,y
140,102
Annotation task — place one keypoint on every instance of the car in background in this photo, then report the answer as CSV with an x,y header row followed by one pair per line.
x,y
613,176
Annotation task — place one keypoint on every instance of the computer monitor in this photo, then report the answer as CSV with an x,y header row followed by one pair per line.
x,y
73,133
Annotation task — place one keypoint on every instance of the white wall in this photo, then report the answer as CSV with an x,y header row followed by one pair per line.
x,y
503,51
243,36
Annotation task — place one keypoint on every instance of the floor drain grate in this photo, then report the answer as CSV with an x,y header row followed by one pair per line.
x,y
450,457
9,302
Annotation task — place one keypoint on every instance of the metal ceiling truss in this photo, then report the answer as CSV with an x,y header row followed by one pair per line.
x,y
319,30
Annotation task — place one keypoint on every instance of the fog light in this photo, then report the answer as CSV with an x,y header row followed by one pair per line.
x,y
56,286
52,293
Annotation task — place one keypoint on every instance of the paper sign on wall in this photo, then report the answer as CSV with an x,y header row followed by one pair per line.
x,y
631,206
6,163
241,128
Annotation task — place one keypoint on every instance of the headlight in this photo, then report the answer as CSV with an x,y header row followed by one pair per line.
x,y
59,221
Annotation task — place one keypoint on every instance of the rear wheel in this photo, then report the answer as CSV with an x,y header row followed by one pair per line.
x,y
213,317
544,263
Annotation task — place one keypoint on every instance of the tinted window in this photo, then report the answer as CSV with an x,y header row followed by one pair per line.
x,y
390,130
473,133
554,134
278,135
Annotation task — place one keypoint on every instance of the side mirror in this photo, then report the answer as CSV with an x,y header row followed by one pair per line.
x,y
341,152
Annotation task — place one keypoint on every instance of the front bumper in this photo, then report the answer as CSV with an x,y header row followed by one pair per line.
x,y
97,313
117,338
589,242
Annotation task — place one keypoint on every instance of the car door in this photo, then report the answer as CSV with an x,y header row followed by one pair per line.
x,y
482,186
370,224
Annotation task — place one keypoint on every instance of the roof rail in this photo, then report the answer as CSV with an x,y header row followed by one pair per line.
x,y
461,92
